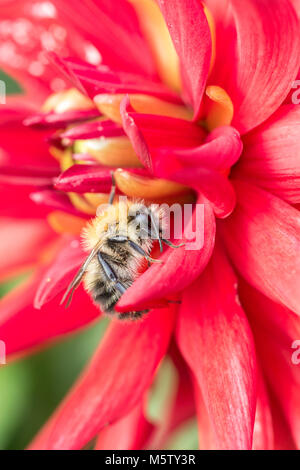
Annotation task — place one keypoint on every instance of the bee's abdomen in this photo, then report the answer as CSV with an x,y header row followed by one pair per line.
x,y
106,295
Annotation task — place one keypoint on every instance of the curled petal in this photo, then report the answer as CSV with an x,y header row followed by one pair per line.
x,y
148,132
220,150
106,394
262,237
191,36
164,279
212,327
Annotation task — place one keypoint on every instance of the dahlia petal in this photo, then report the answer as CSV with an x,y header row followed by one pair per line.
x,y
214,186
286,382
115,46
106,394
263,435
21,242
260,76
270,158
164,279
109,105
211,319
15,202
27,176
28,29
29,149
157,34
181,402
93,130
140,184
184,404
55,200
271,320
262,237
206,433
296,5
277,321
85,179
97,80
217,108
22,327
282,433
129,433
58,120
191,36
147,132
61,271
220,150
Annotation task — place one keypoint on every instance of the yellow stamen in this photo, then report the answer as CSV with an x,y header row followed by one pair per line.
x,y
116,151
156,32
109,105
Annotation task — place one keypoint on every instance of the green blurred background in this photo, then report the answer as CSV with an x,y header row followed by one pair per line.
x,y
31,388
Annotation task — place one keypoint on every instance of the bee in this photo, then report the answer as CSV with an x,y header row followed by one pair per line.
x,y
119,239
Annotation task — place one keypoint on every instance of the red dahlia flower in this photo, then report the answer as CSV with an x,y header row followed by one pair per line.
x,y
223,132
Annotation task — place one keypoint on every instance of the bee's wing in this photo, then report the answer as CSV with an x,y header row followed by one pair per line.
x,y
79,275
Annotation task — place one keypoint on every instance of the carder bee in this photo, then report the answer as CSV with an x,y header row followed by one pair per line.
x,y
118,240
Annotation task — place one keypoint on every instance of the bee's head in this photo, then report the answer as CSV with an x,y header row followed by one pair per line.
x,y
144,221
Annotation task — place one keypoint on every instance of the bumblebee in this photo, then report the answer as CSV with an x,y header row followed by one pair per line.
x,y
119,239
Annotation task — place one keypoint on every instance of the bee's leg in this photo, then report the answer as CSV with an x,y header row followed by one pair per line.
x,y
157,232
167,242
135,246
113,189
110,274
142,252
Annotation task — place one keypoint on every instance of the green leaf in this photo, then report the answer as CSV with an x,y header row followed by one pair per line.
x,y
11,85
